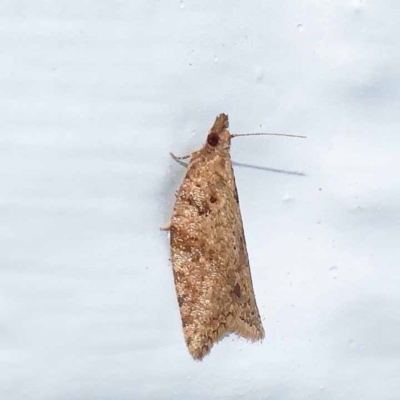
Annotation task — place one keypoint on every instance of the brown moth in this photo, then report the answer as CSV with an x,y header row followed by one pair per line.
x,y
209,256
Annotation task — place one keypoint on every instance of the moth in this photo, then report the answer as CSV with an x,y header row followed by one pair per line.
x,y
208,249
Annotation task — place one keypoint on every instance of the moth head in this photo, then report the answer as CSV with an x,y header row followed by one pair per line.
x,y
219,136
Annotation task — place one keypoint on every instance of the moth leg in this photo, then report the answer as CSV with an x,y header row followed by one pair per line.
x,y
166,227
178,159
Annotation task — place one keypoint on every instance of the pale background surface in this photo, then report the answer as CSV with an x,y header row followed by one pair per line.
x,y
93,96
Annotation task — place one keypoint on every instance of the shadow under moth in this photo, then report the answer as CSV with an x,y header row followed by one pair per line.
x,y
208,249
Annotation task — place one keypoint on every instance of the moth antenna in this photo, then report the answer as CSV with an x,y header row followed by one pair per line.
x,y
267,134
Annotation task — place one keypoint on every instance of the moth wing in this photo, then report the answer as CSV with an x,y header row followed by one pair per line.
x,y
248,321
209,257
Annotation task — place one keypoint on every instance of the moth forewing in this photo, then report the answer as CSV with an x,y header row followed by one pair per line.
x,y
208,248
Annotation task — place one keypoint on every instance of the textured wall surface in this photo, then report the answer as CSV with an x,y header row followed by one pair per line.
x,y
94,95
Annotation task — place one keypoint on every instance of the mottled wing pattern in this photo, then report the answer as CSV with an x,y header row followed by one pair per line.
x,y
249,323
209,256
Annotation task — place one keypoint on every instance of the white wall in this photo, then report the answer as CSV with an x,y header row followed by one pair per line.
x,y
94,95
